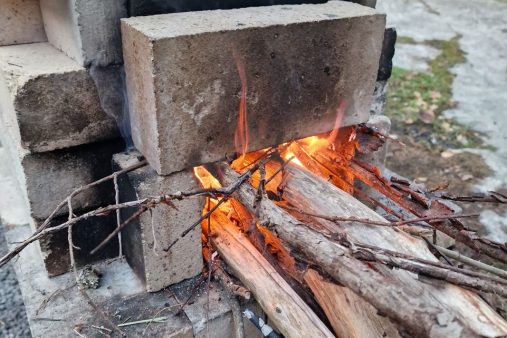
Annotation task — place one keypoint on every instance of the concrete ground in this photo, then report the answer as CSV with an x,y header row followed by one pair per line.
x,y
478,104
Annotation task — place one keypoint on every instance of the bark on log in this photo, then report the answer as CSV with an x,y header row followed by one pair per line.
x,y
408,305
289,314
300,189
350,315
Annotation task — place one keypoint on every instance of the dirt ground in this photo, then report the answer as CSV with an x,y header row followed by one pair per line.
x,y
448,99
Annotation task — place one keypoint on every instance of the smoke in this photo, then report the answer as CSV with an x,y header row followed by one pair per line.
x,y
112,89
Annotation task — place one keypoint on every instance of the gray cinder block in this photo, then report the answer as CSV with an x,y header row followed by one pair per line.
x,y
87,234
48,101
86,30
146,240
48,178
20,22
301,63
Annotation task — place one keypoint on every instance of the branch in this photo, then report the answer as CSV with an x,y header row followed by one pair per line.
x,y
152,201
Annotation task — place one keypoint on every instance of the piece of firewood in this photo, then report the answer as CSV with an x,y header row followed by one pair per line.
x,y
301,188
406,303
350,315
289,314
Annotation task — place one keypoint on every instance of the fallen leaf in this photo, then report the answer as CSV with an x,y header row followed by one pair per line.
x,y
427,116
466,177
447,154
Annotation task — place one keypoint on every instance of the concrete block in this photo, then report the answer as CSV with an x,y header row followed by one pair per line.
x,y
48,178
48,101
86,30
152,7
21,22
301,63
145,241
87,234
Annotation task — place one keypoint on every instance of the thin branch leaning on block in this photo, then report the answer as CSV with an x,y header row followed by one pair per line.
x,y
146,203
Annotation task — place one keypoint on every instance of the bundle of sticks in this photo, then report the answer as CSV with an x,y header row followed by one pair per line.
x,y
321,263
287,223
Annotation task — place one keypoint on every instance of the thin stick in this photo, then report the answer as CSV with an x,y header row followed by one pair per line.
x,y
145,321
282,167
88,186
106,210
472,262
208,286
372,222
226,194
80,285
118,229
118,218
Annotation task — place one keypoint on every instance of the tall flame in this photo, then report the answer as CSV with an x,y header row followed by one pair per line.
x,y
241,136
340,111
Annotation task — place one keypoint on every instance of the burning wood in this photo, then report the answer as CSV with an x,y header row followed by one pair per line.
x,y
330,230
288,223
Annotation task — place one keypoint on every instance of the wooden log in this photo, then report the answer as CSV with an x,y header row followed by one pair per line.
x,y
289,314
300,189
411,307
348,313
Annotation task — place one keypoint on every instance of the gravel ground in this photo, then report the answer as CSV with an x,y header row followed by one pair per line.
x,y
13,321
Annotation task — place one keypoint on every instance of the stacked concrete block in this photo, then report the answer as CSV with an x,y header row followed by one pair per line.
x,y
20,22
86,30
58,139
87,235
49,101
301,63
147,240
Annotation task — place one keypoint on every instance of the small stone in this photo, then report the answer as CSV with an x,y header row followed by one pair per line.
x,y
467,177
447,154
90,278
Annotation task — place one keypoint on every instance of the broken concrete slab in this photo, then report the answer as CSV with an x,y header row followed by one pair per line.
x,y
48,101
301,63
21,22
146,240
86,30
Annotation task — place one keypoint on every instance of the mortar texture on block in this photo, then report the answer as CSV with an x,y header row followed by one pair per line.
x,y
48,101
301,63
145,240
86,30
20,22
48,178
87,234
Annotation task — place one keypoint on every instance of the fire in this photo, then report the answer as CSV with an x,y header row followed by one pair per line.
x,y
241,136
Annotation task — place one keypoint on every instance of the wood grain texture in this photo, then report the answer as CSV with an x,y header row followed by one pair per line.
x,y
289,314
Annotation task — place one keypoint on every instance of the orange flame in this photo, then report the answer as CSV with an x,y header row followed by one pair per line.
x,y
241,136
340,111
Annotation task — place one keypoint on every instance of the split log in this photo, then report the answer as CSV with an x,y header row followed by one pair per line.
x,y
289,314
410,306
350,315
